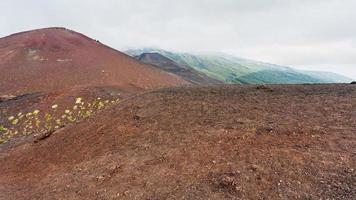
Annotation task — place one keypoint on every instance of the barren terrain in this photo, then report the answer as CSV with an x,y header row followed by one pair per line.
x,y
216,142
57,58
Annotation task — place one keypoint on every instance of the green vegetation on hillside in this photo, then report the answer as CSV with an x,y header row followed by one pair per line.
x,y
230,69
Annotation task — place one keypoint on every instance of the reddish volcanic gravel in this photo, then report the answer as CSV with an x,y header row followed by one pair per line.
x,y
57,58
43,102
219,142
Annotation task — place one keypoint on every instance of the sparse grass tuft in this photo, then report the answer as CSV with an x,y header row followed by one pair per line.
x,y
38,122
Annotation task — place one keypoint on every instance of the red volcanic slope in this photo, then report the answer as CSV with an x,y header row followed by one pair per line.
x,y
220,142
56,58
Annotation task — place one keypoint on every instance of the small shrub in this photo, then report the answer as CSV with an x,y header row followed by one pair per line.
x,y
36,122
2,129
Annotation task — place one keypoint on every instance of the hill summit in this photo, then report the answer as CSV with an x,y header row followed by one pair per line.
x,y
56,58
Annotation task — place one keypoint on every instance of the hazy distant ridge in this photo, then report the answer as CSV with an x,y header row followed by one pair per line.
x,y
230,69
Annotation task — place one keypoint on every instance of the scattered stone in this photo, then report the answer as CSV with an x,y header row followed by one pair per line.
x,y
99,178
6,97
43,136
227,181
263,130
254,168
269,129
126,193
136,117
114,169
263,87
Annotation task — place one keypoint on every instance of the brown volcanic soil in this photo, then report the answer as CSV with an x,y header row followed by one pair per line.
x,y
223,142
43,101
64,98
56,58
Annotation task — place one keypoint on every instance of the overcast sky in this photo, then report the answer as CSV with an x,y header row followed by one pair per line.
x,y
308,34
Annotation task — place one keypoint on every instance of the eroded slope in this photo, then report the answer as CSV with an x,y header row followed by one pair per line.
x,y
224,142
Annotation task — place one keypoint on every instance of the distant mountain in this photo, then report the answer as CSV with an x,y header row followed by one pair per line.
x,y
230,69
56,58
329,77
185,72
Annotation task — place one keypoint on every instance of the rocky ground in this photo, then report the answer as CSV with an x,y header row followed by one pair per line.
x,y
218,142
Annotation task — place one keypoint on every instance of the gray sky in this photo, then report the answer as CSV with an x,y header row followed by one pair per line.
x,y
308,34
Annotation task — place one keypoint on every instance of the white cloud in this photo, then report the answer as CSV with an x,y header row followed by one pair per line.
x,y
319,34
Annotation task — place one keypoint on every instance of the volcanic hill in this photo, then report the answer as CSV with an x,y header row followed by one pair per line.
x,y
56,58
77,123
